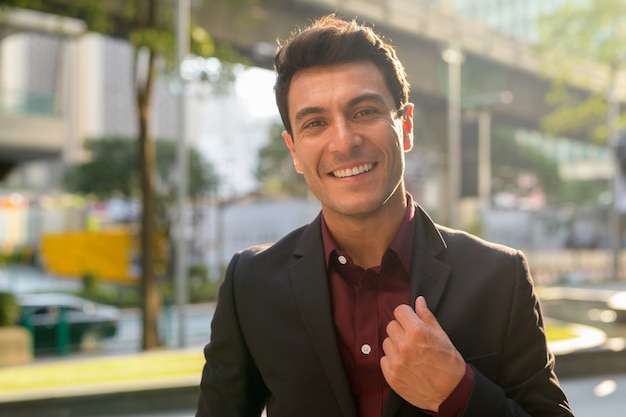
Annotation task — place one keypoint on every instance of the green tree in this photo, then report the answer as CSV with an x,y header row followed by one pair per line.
x,y
581,49
508,155
509,159
149,26
275,171
9,309
112,171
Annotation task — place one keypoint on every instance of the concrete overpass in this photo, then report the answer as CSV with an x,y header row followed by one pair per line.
x,y
500,79
494,63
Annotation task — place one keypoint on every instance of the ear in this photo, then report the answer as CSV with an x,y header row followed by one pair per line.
x,y
407,127
292,149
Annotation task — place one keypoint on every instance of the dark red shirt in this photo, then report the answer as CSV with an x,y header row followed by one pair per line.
x,y
363,303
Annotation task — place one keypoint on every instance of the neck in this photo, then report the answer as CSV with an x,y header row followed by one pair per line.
x,y
366,238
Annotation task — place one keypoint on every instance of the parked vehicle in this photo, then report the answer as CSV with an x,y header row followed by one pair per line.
x,y
63,321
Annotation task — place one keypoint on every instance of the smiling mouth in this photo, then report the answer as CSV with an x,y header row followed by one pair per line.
x,y
351,172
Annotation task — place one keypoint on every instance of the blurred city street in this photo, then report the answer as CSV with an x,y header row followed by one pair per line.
x,y
135,160
602,395
589,395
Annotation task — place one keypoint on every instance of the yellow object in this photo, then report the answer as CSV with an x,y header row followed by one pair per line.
x,y
110,254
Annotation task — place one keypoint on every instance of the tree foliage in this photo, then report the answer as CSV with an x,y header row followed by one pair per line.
x,y
149,25
509,159
127,19
112,170
581,49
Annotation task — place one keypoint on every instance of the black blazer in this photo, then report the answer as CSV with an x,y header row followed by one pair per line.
x,y
273,340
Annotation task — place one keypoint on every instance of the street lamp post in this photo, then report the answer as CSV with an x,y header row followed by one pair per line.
x,y
192,69
615,217
453,56
481,108
182,50
484,158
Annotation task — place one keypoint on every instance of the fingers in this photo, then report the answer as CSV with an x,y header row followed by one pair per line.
x,y
422,311
404,317
407,318
405,329
413,328
420,363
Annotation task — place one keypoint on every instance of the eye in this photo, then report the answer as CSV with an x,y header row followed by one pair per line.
x,y
313,124
366,112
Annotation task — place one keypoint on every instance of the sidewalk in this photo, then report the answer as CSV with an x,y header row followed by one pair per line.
x,y
143,382
603,356
155,370
88,376
168,379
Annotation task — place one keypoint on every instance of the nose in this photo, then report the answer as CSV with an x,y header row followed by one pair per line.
x,y
344,138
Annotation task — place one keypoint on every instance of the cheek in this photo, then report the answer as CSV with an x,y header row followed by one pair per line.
x,y
305,155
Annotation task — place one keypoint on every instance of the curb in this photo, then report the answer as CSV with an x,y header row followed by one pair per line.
x,y
172,395
575,358
590,362
139,400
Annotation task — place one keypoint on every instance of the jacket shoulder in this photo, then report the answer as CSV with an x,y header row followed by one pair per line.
x,y
461,240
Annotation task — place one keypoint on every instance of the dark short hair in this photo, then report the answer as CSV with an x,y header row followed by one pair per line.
x,y
329,41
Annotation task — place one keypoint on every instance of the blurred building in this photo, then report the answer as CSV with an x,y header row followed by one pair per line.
x,y
516,18
35,104
84,84
66,89
60,88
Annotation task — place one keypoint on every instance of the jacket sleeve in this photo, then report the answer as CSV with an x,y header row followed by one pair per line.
x,y
525,384
231,385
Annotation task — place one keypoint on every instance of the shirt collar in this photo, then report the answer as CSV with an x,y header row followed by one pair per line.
x,y
402,243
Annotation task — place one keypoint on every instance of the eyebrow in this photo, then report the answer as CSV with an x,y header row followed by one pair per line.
x,y
353,102
367,97
306,111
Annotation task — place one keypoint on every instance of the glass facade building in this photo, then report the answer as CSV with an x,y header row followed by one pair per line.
x,y
516,18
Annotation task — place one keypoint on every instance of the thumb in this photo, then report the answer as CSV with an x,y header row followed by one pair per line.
x,y
422,311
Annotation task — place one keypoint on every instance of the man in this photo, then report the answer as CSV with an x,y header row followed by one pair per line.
x,y
372,309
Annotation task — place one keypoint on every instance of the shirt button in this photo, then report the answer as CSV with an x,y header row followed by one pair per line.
x,y
366,349
342,259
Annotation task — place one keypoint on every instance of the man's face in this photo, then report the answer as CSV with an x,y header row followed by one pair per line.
x,y
348,138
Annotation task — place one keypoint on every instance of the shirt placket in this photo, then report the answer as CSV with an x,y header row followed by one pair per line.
x,y
367,349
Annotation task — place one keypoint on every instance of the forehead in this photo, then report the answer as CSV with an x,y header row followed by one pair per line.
x,y
324,86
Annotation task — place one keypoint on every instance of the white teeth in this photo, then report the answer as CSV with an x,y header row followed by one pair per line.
x,y
342,173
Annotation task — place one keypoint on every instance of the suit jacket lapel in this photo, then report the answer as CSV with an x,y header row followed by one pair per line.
x,y
308,278
429,277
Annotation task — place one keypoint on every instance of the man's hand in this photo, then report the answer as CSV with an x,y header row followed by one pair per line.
x,y
420,364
